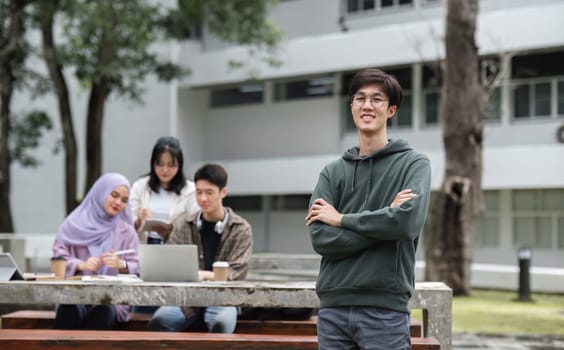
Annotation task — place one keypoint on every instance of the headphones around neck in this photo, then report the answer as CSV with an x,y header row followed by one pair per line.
x,y
219,226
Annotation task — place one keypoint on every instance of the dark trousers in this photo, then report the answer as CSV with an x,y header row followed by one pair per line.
x,y
97,317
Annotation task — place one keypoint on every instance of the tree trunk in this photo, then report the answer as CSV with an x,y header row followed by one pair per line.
x,y
98,94
12,34
61,89
456,206
6,89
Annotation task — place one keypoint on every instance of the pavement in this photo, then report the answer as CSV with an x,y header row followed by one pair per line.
x,y
466,341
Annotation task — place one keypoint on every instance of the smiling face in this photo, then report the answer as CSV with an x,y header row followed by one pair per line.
x,y
116,201
371,109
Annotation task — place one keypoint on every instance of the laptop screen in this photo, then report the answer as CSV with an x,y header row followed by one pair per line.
x,y
8,268
168,263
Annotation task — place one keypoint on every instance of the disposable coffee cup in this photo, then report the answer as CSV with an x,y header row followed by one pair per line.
x,y
220,270
58,267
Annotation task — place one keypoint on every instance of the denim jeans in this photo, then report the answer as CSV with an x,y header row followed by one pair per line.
x,y
218,319
85,317
360,327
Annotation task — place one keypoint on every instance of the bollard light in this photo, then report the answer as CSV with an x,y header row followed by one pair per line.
x,y
524,254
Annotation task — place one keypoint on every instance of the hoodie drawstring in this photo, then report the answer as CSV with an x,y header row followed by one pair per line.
x,y
354,175
369,184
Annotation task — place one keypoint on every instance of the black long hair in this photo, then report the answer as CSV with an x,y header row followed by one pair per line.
x,y
171,145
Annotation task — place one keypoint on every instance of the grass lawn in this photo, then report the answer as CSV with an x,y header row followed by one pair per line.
x,y
495,312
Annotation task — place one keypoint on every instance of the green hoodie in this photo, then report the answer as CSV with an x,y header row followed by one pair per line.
x,y
370,260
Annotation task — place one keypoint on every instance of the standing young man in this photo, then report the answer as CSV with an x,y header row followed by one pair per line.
x,y
221,235
365,216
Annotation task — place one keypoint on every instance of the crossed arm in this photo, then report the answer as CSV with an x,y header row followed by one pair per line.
x,y
332,241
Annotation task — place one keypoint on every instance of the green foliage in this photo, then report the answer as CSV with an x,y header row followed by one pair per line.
x,y
242,22
25,134
112,40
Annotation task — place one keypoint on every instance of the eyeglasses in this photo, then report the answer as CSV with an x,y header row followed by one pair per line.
x,y
359,100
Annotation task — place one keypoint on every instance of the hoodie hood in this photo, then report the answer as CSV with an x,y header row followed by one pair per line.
x,y
393,147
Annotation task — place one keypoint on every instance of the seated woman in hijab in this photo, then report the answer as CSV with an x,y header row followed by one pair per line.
x,y
88,239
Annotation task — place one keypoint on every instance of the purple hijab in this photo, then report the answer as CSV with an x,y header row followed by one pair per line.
x,y
88,224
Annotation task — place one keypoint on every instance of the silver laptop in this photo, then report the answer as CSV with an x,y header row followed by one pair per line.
x,y
8,268
168,263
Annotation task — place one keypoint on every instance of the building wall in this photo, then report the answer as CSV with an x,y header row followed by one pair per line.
x,y
277,148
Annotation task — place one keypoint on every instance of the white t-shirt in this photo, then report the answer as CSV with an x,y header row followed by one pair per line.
x,y
159,205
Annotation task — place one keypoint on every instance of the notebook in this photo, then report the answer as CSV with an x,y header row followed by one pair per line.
x,y
8,268
168,263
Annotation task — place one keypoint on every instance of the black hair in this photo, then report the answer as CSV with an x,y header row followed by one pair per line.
x,y
213,173
387,82
172,146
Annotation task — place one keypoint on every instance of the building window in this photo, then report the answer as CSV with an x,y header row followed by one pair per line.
x,y
243,203
561,97
561,233
537,81
402,119
492,113
432,81
239,95
487,228
537,218
291,202
307,88
354,6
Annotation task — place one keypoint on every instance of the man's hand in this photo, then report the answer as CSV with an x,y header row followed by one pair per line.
x,y
205,275
401,197
324,212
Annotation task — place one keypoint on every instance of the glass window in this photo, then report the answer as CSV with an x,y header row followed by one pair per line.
x,y
346,114
291,202
521,101
493,109
491,200
367,4
315,87
553,199
561,97
352,6
487,228
536,65
244,94
542,99
561,233
525,200
523,232
243,203
537,218
432,108
534,232
487,232
404,113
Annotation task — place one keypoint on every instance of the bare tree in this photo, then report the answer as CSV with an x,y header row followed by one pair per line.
x,y
456,206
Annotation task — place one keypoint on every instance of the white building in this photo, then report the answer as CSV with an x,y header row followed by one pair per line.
x,y
275,134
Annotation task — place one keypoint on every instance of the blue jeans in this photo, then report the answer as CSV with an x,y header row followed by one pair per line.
x,y
360,327
85,317
218,319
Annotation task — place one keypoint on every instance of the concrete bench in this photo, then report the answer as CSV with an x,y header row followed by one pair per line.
x,y
32,339
41,319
